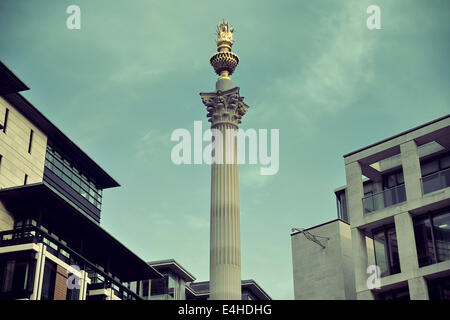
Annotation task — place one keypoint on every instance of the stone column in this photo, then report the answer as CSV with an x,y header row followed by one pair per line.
x,y
225,110
406,241
418,289
355,192
411,170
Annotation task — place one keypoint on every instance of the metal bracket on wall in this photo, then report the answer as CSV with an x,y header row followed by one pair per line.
x,y
311,237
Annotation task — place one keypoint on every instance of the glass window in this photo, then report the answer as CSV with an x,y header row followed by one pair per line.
x,y
58,165
424,241
172,286
145,288
5,121
379,242
48,281
400,179
445,162
386,250
429,167
16,278
30,142
441,224
72,176
396,294
158,286
77,180
73,294
393,251
391,181
439,289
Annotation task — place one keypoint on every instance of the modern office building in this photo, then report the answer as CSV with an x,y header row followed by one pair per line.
x,y
178,284
173,284
51,243
397,203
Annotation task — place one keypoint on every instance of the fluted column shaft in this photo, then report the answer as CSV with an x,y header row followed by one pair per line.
x,y
225,249
225,110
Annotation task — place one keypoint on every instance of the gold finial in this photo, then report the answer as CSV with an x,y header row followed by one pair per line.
x,y
224,37
224,61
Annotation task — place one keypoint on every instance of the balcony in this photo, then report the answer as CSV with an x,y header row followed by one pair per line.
x,y
436,181
99,278
384,199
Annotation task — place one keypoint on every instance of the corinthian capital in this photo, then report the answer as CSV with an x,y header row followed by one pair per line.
x,y
224,107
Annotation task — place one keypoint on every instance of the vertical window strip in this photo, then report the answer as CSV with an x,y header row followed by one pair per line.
x,y
5,122
31,141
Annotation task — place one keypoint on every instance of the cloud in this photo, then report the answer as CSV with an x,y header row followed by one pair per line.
x,y
330,79
152,143
249,176
196,222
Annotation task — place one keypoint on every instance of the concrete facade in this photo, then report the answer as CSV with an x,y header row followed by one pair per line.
x,y
323,272
374,206
404,147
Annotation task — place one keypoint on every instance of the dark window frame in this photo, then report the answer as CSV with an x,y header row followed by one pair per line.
x,y
438,159
429,216
387,247
30,142
60,165
5,121
394,294
436,288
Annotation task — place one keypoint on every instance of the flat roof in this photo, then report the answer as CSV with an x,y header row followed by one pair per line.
x,y
317,226
397,135
54,134
202,289
172,265
9,83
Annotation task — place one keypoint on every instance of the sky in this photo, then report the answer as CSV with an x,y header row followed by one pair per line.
x,y
121,84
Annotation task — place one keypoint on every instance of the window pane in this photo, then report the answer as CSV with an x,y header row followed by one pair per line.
x,y
445,162
393,248
379,242
391,181
48,281
429,167
441,225
424,241
439,289
145,288
400,179
396,294
158,287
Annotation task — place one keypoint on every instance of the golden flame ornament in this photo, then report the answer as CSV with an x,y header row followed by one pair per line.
x,y
224,61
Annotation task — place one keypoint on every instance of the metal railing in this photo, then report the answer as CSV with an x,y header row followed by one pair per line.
x,y
436,181
32,234
385,198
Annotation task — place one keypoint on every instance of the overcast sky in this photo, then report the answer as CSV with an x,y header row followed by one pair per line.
x,y
121,84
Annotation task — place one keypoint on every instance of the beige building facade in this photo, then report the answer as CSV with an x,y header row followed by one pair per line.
x,y
322,262
22,154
